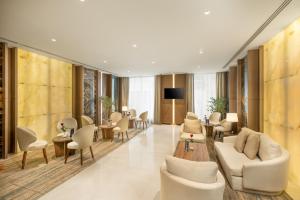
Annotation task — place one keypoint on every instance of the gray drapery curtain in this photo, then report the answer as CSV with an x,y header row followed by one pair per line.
x,y
190,92
222,84
124,91
157,97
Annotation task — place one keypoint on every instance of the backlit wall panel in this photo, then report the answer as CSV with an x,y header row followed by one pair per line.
x,y
44,88
282,97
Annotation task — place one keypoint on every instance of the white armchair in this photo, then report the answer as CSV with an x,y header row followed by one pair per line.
x,y
177,188
115,117
143,119
85,121
191,115
197,137
83,138
215,118
225,127
132,113
27,140
122,127
68,122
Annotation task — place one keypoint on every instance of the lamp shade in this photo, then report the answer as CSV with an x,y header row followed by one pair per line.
x,y
124,108
232,117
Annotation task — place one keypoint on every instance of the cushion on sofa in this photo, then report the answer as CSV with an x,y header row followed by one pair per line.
x,y
202,172
268,149
196,137
192,126
252,146
231,160
241,139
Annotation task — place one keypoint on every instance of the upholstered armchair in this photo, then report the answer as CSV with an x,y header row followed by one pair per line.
x,y
132,113
85,121
143,119
174,187
215,118
122,127
225,127
115,117
27,141
191,115
82,139
192,126
68,122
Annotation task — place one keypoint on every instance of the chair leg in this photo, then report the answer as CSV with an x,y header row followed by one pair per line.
x,y
91,150
81,158
45,155
66,155
127,135
24,159
143,125
122,137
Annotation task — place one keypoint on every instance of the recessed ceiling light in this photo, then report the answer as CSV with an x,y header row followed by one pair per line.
x,y
53,40
82,0
134,45
206,12
128,71
105,61
201,51
153,62
199,66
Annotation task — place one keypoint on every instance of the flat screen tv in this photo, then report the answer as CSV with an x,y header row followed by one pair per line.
x,y
174,93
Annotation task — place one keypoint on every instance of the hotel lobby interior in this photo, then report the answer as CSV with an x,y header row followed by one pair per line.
x,y
149,100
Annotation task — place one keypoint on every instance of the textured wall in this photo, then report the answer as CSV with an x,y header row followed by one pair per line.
x,y
44,88
282,95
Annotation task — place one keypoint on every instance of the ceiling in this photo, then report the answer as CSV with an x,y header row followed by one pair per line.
x,y
169,34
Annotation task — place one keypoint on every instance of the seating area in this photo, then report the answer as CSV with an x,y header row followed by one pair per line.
x,y
149,100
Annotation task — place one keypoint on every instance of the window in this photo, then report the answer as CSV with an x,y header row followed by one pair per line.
x,y
141,95
204,89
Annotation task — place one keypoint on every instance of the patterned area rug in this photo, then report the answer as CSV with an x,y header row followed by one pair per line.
x,y
39,178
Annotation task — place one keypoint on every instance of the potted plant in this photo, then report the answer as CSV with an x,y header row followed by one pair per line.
x,y
106,104
217,105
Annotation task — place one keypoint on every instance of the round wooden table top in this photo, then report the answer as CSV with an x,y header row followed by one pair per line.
x,y
61,139
104,126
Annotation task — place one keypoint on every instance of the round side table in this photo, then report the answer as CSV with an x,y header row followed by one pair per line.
x,y
107,131
60,146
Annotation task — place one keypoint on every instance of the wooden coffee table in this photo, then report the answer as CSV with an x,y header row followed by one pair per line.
x,y
131,123
60,146
107,132
199,153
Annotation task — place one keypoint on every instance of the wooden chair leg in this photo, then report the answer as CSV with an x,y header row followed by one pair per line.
x,y
91,150
122,137
66,155
143,125
127,135
45,155
24,159
81,158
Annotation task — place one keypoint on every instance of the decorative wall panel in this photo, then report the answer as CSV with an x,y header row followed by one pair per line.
x,y
281,97
89,93
44,94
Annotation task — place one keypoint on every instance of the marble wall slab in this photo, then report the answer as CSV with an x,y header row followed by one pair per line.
x,y
44,87
282,95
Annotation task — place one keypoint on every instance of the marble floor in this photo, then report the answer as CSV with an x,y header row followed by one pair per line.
x,y
129,172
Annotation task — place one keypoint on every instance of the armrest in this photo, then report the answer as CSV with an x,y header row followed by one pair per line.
x,y
270,175
229,139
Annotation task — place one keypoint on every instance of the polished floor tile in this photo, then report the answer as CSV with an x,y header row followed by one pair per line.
x,y
129,172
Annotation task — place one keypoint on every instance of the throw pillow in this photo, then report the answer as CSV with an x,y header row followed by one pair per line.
x,y
202,172
192,126
241,139
268,149
252,146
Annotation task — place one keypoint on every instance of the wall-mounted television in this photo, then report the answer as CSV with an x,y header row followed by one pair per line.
x,y
174,93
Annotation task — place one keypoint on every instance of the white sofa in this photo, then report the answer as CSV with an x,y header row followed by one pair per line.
x,y
177,188
201,137
266,177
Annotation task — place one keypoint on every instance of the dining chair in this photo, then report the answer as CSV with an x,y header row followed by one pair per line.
x,y
132,113
82,139
28,141
121,128
115,117
143,119
85,121
215,118
68,123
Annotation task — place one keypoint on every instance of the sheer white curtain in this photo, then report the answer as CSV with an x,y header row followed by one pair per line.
x,y
204,89
141,95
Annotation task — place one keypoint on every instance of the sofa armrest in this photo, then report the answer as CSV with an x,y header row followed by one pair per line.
x,y
229,139
269,176
176,188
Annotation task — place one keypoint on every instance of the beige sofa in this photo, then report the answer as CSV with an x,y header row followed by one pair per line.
x,y
259,176
201,137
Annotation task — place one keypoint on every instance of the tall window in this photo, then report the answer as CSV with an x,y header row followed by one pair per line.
x,y
141,95
204,89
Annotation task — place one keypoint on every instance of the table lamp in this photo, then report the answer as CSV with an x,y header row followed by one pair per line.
x,y
124,110
232,117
